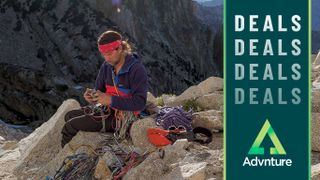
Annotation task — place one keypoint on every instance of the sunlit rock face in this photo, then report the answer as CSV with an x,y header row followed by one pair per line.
x,y
49,50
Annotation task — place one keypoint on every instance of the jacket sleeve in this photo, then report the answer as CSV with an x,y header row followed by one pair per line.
x,y
138,85
100,80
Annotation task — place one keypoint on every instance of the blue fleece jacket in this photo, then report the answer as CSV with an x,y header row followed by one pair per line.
x,y
131,84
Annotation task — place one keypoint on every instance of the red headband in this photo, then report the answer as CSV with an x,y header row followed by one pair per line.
x,y
109,47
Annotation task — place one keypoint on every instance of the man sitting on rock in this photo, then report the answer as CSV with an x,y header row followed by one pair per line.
x,y
120,91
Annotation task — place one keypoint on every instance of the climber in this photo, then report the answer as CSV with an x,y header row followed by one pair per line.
x,y
120,87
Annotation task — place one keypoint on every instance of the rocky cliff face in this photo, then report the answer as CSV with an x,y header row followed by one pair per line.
x,y
315,15
49,49
315,26
315,40
213,17
174,44
210,15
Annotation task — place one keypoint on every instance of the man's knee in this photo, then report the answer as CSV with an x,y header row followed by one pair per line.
x,y
71,114
69,129
67,117
68,132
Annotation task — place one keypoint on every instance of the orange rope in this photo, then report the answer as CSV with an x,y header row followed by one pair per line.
x,y
119,116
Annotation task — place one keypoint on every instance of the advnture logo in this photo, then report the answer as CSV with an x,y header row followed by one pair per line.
x,y
267,129
256,149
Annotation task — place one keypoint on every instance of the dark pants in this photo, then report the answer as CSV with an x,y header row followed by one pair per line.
x,y
77,120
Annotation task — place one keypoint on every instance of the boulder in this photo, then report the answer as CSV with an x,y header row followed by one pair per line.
x,y
9,133
151,98
211,119
213,158
192,171
166,100
42,145
316,84
315,157
37,149
102,172
207,95
8,161
316,69
316,101
153,167
9,145
210,101
217,141
211,85
191,93
317,60
313,57
83,142
2,140
315,172
315,132
198,162
198,103
175,152
315,72
152,104
138,134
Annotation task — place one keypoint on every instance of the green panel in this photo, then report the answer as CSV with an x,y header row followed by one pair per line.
x,y
267,89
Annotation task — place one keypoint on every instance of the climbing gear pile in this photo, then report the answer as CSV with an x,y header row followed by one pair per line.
x,y
176,123
82,166
125,159
174,117
79,166
124,120
160,137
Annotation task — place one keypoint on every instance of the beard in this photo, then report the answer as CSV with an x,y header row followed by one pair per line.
x,y
115,63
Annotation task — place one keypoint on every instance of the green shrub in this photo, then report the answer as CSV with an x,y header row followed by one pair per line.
x,y
191,104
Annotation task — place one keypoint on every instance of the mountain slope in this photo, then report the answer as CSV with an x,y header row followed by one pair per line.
x,y
49,49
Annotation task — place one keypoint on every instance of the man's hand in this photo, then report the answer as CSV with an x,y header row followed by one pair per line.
x,y
88,95
102,98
